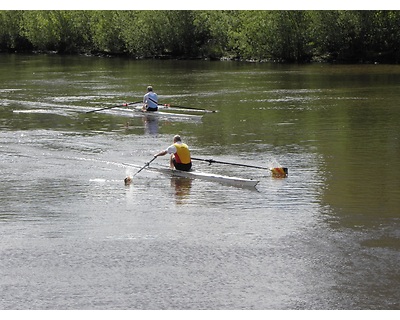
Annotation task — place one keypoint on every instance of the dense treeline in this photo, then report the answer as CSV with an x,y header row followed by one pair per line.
x,y
291,36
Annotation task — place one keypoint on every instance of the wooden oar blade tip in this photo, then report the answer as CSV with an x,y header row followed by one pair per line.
x,y
279,172
128,181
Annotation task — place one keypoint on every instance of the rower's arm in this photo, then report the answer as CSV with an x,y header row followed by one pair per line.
x,y
161,153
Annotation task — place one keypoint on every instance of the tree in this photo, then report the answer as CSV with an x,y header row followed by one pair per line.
x,y
292,36
105,28
10,32
62,31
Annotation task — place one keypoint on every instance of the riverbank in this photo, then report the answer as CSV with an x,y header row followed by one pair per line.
x,y
188,58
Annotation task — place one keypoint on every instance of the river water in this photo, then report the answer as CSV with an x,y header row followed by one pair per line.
x,y
73,236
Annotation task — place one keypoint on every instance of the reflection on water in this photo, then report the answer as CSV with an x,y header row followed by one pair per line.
x,y
145,124
182,188
151,124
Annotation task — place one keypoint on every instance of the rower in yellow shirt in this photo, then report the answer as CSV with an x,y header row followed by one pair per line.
x,y
180,155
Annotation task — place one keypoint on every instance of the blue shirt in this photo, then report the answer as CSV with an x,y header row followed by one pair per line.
x,y
147,99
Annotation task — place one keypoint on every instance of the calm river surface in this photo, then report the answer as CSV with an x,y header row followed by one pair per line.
x,y
73,236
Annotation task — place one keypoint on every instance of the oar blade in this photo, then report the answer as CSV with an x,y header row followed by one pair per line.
x,y
128,181
279,172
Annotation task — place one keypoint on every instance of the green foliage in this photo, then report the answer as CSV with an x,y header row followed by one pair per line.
x,y
357,36
10,31
104,27
62,31
292,36
276,35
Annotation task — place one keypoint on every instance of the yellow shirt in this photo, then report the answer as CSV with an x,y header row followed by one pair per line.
x,y
182,154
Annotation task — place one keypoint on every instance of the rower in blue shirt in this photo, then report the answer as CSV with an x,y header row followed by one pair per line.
x,y
150,100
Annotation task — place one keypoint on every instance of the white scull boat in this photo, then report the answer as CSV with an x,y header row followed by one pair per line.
x,y
165,114
193,174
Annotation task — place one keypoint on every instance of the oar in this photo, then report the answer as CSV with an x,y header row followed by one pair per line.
x,y
128,180
181,107
123,105
146,165
188,108
276,172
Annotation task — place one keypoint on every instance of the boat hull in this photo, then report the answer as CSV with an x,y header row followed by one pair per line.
x,y
235,181
159,114
193,174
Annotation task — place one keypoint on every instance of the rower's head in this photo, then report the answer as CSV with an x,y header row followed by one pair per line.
x,y
149,88
177,138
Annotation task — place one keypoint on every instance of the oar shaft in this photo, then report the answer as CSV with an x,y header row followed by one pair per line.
x,y
105,108
278,172
231,163
146,165
181,107
187,108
